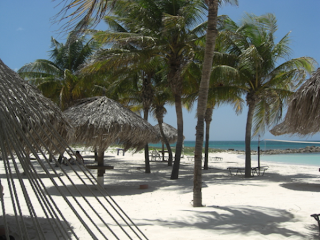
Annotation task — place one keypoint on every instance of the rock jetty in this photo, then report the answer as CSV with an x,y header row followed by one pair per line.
x,y
308,149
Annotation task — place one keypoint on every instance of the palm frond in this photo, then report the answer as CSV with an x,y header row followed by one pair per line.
x,y
40,67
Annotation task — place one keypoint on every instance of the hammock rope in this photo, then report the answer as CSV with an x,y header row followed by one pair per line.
x,y
32,133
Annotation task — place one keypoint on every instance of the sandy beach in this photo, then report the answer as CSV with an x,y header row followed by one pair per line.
x,y
276,205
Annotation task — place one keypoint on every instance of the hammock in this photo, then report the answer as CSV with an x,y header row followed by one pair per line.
x,y
29,144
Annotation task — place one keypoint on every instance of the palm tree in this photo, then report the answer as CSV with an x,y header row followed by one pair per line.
x,y
59,78
218,93
159,29
203,95
176,44
87,13
256,73
129,61
88,8
237,104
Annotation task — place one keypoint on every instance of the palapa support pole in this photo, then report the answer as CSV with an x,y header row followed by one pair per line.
x,y
100,171
162,150
259,154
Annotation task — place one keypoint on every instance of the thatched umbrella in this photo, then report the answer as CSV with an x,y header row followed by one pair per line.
x,y
303,115
100,122
29,115
170,136
170,132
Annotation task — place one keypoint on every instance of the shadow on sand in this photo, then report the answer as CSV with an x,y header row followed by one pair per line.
x,y
32,231
242,220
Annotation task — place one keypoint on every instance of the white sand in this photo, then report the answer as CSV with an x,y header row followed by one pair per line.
x,y
277,205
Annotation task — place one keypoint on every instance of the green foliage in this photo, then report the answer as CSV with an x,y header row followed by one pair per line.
x,y
260,67
59,78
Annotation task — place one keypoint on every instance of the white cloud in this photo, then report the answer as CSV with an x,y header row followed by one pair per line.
x,y
20,29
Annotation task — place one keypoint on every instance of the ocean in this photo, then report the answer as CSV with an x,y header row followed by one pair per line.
x,y
296,158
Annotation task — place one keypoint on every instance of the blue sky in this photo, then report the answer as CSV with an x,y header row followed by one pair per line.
x,y
26,28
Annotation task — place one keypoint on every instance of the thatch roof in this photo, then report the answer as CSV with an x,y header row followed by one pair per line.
x,y
26,115
170,132
100,122
303,115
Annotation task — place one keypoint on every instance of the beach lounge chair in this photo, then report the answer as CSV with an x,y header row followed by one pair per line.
x,y
190,158
155,155
258,171
235,170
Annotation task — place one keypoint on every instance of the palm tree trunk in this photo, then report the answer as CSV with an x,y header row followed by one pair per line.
x,y
146,148
202,100
170,160
251,105
208,119
176,165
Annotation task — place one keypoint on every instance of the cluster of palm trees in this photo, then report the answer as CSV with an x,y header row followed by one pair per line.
x,y
156,53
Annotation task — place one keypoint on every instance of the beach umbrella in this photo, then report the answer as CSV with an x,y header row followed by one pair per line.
x,y
303,114
99,122
170,132
28,118
171,135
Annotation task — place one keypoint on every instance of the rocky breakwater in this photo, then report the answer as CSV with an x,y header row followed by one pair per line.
x,y
308,149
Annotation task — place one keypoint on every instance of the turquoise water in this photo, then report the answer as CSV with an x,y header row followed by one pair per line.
x,y
289,158
239,145
295,158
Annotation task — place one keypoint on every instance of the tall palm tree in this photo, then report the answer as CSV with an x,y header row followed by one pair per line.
x,y
157,29
203,95
202,100
176,44
262,72
89,8
218,93
59,78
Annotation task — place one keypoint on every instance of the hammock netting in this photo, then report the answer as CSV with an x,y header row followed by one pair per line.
x,y
32,136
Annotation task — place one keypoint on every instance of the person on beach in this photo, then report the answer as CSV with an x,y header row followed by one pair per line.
x,y
73,161
79,157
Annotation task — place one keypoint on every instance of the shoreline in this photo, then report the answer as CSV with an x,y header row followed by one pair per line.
x,y
308,149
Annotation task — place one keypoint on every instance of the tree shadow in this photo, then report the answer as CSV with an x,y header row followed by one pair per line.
x,y
121,183
314,231
49,228
224,175
300,186
237,219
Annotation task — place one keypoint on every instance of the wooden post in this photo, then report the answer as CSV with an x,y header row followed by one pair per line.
x,y
100,172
